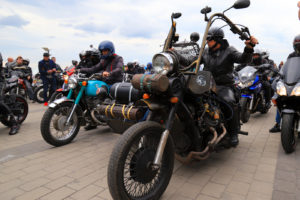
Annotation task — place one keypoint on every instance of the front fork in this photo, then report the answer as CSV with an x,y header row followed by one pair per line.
x,y
75,104
164,138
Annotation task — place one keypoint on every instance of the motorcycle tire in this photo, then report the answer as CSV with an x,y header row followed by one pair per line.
x,y
47,134
245,112
56,95
39,94
20,117
289,133
145,137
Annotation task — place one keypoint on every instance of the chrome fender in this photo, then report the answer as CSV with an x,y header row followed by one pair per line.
x,y
59,101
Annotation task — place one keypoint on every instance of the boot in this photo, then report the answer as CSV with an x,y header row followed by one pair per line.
x,y
90,127
234,140
275,128
14,129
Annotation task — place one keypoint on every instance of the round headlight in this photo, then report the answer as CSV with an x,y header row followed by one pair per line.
x,y
162,63
72,82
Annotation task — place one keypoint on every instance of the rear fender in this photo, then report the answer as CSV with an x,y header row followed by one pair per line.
x,y
288,111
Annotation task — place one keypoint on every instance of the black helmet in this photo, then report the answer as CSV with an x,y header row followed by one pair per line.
x,y
257,60
296,43
194,37
130,65
215,33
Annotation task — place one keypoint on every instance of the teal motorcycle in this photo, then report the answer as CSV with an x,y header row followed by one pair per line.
x,y
62,120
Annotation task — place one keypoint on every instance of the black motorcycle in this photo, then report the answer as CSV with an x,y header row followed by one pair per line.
x,y
186,119
16,85
288,90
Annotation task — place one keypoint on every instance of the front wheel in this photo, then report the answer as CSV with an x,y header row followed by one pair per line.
x,y
245,110
53,125
130,171
19,109
289,133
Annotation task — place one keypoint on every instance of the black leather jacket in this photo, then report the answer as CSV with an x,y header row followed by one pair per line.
x,y
221,62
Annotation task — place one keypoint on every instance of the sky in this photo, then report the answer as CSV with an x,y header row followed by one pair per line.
x,y
138,28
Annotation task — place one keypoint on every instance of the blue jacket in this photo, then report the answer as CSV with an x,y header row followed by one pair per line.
x,y
44,66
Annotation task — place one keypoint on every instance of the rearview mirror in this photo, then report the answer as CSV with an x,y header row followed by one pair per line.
x,y
176,15
241,4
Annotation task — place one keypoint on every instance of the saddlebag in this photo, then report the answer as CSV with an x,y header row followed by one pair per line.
x,y
124,93
150,82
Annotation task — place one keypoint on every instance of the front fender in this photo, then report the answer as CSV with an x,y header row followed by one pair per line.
x,y
59,101
288,111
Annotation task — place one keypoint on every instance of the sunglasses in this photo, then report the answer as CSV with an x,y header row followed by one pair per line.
x,y
209,38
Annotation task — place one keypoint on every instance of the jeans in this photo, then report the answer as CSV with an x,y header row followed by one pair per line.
x,y
29,89
46,82
278,117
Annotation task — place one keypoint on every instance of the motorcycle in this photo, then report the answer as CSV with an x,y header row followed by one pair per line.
x,y
15,84
252,100
62,120
288,91
64,90
186,119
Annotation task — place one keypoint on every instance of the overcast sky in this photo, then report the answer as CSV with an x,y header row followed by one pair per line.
x,y
137,28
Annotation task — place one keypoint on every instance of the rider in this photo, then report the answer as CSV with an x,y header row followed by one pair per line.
x,y
26,70
219,59
15,125
110,66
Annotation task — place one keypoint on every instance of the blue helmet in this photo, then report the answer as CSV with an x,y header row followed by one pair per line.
x,y
149,66
107,45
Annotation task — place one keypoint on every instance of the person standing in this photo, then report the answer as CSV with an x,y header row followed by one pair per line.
x,y
47,69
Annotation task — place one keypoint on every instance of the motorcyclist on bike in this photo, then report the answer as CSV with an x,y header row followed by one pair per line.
x,y
258,60
219,59
296,53
15,125
26,70
110,66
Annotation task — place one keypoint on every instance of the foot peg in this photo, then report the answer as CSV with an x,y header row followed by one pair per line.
x,y
243,132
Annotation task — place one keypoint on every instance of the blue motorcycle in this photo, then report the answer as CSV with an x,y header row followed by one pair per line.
x,y
252,100
62,120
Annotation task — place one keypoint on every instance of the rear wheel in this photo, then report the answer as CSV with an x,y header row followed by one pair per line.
x,y
289,133
130,172
39,94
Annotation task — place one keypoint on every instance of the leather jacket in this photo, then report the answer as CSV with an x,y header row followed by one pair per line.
x,y
113,65
221,62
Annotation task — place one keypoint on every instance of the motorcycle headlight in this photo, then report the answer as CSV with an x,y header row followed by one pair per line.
x,y
296,90
72,82
280,88
163,63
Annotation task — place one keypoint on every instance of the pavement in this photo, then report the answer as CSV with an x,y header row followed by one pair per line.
x,y
258,169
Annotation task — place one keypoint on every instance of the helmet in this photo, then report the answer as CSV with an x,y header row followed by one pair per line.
x,y
130,65
74,62
107,45
296,43
194,37
149,66
265,54
82,54
215,33
257,57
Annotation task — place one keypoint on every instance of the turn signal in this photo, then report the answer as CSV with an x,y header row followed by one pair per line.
x,y
66,81
174,100
146,96
274,102
84,83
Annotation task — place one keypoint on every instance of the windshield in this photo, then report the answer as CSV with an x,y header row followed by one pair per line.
x,y
291,70
246,73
